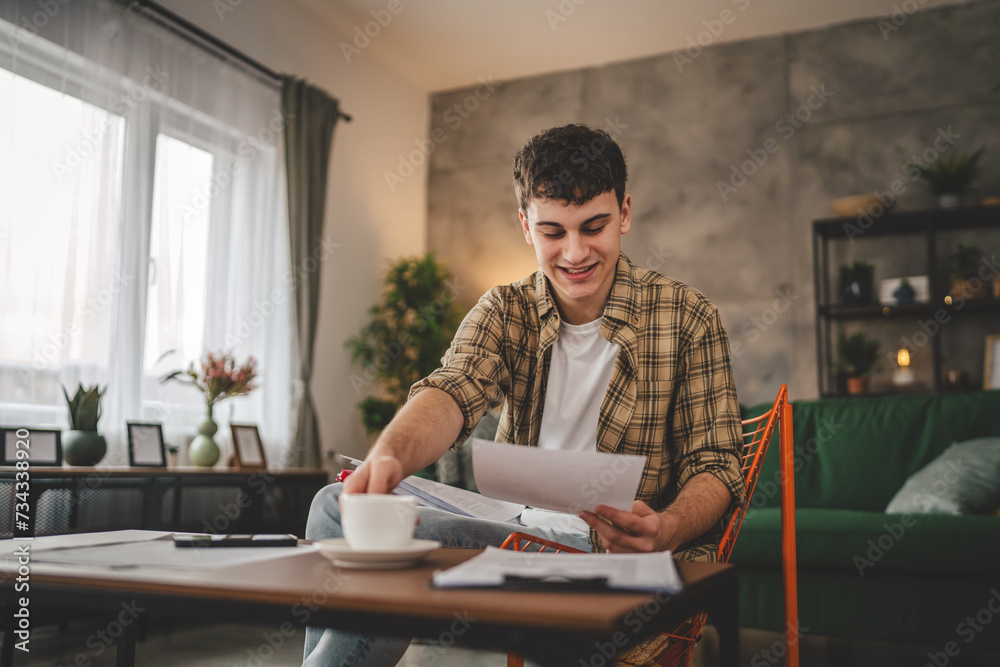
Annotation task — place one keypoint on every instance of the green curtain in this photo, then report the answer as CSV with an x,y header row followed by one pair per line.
x,y
310,115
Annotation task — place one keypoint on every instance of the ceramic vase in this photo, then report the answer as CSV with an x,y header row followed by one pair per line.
x,y
83,448
203,451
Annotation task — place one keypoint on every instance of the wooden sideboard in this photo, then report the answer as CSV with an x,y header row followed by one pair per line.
x,y
81,500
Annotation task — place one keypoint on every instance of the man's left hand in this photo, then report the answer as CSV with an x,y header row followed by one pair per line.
x,y
641,530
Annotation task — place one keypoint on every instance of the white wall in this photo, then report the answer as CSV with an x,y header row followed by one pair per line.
x,y
371,223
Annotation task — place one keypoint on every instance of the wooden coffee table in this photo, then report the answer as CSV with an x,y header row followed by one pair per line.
x,y
306,589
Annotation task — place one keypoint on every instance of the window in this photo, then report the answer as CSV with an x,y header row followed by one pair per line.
x,y
132,224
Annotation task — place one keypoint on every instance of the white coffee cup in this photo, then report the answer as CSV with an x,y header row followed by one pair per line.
x,y
378,522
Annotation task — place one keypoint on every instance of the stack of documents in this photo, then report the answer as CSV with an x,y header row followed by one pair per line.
x,y
496,568
459,501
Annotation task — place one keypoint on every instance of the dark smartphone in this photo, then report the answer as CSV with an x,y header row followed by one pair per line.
x,y
260,540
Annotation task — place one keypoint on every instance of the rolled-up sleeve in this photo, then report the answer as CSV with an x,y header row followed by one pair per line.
x,y
706,423
473,370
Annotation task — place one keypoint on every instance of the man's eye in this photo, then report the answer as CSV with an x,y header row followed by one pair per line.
x,y
557,235
594,231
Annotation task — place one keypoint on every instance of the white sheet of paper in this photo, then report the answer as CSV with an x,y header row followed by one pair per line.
x,y
555,479
641,571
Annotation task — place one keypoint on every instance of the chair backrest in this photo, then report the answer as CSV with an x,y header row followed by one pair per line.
x,y
757,434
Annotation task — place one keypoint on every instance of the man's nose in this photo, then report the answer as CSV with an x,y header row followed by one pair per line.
x,y
576,250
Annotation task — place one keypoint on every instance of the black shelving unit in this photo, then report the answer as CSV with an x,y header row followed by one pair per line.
x,y
929,225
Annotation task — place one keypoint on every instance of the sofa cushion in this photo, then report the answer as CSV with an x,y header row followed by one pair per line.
x,y
965,479
864,542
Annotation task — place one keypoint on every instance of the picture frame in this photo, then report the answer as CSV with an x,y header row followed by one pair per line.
x,y
991,365
44,445
146,448
248,449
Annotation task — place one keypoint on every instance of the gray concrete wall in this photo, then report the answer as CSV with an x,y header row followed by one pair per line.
x,y
867,96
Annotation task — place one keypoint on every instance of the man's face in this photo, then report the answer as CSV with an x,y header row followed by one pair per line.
x,y
577,249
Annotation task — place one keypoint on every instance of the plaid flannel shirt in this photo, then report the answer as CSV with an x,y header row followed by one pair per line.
x,y
671,397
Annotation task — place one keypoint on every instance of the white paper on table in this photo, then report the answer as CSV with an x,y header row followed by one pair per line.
x,y
558,480
635,571
162,553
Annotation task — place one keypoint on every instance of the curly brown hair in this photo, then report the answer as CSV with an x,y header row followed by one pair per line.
x,y
572,163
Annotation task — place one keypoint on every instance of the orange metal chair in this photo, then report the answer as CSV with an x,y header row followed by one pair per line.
x,y
757,435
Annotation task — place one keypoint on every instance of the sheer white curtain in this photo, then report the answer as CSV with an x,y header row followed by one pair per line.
x,y
141,211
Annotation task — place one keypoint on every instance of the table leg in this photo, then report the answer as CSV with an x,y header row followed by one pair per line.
x,y
725,615
125,651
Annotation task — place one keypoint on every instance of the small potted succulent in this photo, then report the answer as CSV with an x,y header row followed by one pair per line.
x,y
173,451
857,355
82,445
949,178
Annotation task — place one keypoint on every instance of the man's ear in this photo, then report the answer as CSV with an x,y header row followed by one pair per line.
x,y
626,214
525,226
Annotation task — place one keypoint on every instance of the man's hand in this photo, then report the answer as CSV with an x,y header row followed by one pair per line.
x,y
699,506
641,530
377,474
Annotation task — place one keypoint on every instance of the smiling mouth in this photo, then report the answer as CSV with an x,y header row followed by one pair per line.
x,y
574,272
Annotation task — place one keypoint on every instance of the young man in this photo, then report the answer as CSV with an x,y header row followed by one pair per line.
x,y
591,352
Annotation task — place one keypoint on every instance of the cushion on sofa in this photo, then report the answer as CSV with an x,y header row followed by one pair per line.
x,y
866,542
965,479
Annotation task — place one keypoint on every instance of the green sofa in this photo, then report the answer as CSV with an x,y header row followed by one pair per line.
x,y
920,579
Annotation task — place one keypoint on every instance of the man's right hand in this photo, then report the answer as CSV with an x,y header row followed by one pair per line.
x,y
377,474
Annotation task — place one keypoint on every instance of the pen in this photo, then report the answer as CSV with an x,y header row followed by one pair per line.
x,y
343,474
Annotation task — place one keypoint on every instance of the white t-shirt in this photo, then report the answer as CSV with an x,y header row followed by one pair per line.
x,y
579,372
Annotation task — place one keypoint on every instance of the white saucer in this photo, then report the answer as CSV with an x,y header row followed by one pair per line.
x,y
338,551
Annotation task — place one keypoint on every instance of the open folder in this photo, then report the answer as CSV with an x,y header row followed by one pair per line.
x,y
505,568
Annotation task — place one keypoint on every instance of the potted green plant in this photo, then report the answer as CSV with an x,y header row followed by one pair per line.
x,y
950,177
856,282
409,331
82,445
173,451
966,260
857,355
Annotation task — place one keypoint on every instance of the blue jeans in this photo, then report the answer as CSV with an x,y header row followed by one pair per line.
x,y
327,647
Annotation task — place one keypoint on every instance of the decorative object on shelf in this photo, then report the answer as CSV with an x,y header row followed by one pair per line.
x,y
950,177
966,262
991,365
856,283
855,206
145,445
173,453
37,446
411,328
903,376
904,293
248,449
956,380
82,445
920,285
219,378
857,355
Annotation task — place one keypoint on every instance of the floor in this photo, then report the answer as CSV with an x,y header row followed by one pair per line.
x,y
170,643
